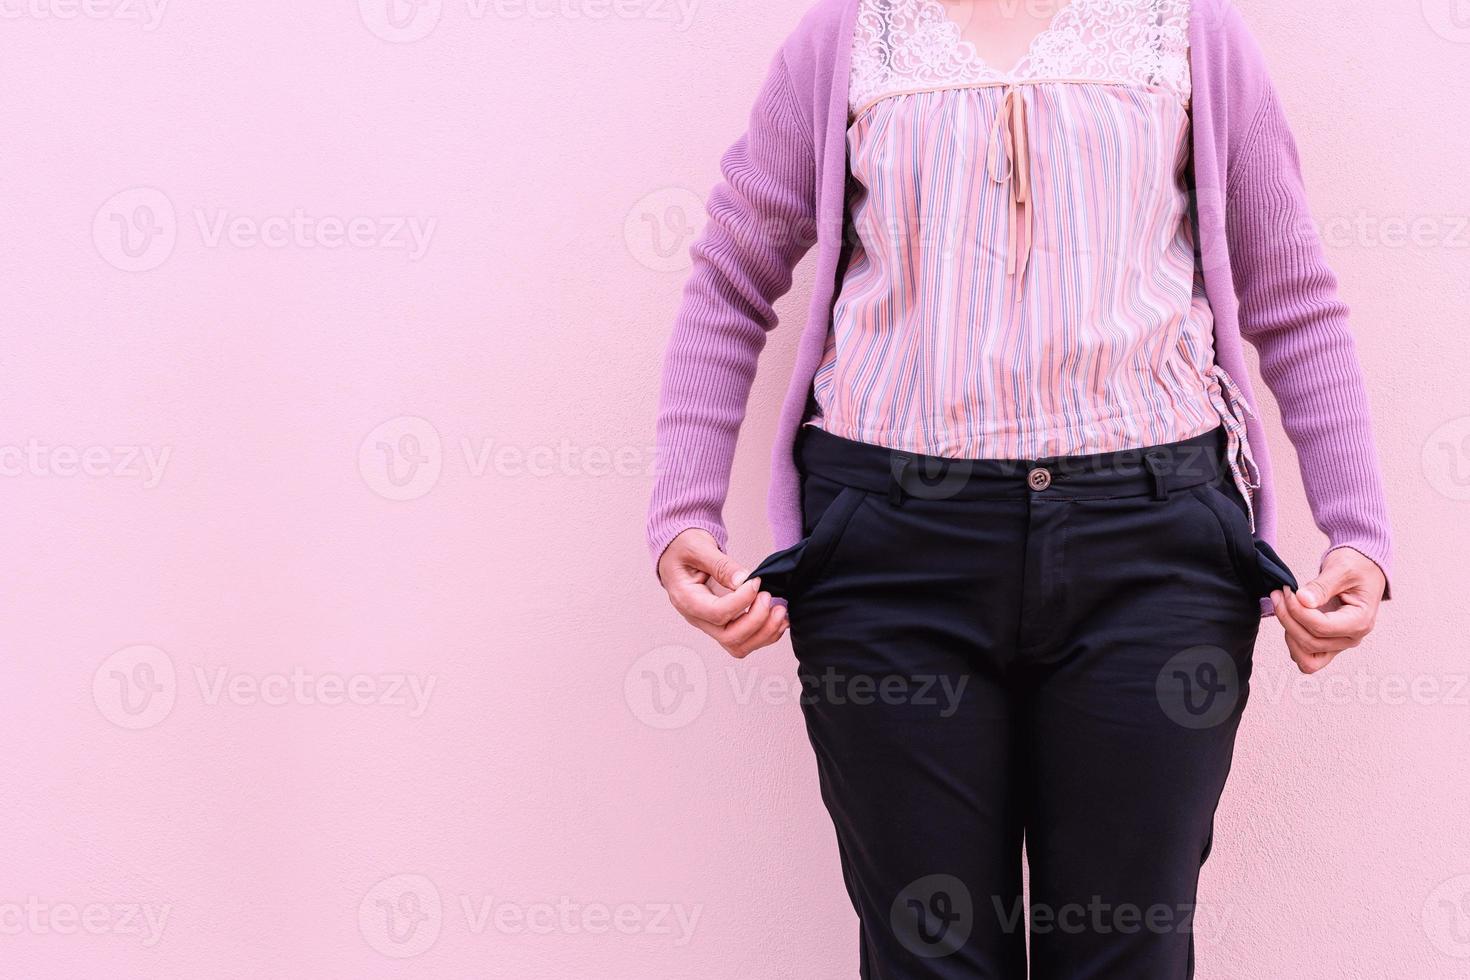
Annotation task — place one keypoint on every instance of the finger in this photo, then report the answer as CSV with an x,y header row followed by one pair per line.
x,y
706,556
699,557
748,625
775,627
1306,661
1331,649
1296,633
1333,580
1306,642
1344,622
699,605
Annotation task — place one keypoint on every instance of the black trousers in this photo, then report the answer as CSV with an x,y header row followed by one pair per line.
x,y
992,653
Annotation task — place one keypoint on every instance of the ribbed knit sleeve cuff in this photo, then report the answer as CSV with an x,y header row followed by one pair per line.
x,y
1377,555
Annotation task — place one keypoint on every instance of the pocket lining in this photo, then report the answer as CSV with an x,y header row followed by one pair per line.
x,y
826,534
1242,557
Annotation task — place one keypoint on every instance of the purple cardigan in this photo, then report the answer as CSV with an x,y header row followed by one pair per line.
x,y
784,189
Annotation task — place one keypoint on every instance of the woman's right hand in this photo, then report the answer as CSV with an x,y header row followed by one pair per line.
x,y
744,619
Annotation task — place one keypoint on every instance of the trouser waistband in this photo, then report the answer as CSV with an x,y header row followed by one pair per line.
x,y
1152,470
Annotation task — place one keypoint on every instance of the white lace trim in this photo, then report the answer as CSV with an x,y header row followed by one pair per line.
x,y
913,45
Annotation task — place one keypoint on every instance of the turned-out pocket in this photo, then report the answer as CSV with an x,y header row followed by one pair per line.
x,y
1239,542
786,572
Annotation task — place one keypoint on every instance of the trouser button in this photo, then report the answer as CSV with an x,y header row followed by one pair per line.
x,y
1039,478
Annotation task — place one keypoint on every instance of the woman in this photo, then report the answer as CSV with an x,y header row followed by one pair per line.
x,y
1019,484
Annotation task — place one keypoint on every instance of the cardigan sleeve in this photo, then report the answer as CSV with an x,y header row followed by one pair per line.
x,y
761,220
1291,312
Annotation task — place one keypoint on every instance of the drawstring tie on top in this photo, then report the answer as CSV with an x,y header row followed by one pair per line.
x,y
1010,127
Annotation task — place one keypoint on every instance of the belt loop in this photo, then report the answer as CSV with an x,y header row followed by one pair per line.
x,y
898,465
1153,461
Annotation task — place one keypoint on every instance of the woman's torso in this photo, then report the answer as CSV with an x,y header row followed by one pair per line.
x,y
1022,281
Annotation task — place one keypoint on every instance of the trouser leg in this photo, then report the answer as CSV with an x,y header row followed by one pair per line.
x,y
1136,708
912,721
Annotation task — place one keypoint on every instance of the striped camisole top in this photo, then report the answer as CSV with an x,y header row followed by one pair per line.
x,y
1022,280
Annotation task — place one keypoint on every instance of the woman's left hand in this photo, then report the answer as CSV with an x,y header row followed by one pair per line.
x,y
1333,612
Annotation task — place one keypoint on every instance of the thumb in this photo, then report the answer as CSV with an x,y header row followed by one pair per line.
x,y
1329,582
708,557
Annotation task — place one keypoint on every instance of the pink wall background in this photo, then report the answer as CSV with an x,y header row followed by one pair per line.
x,y
330,334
